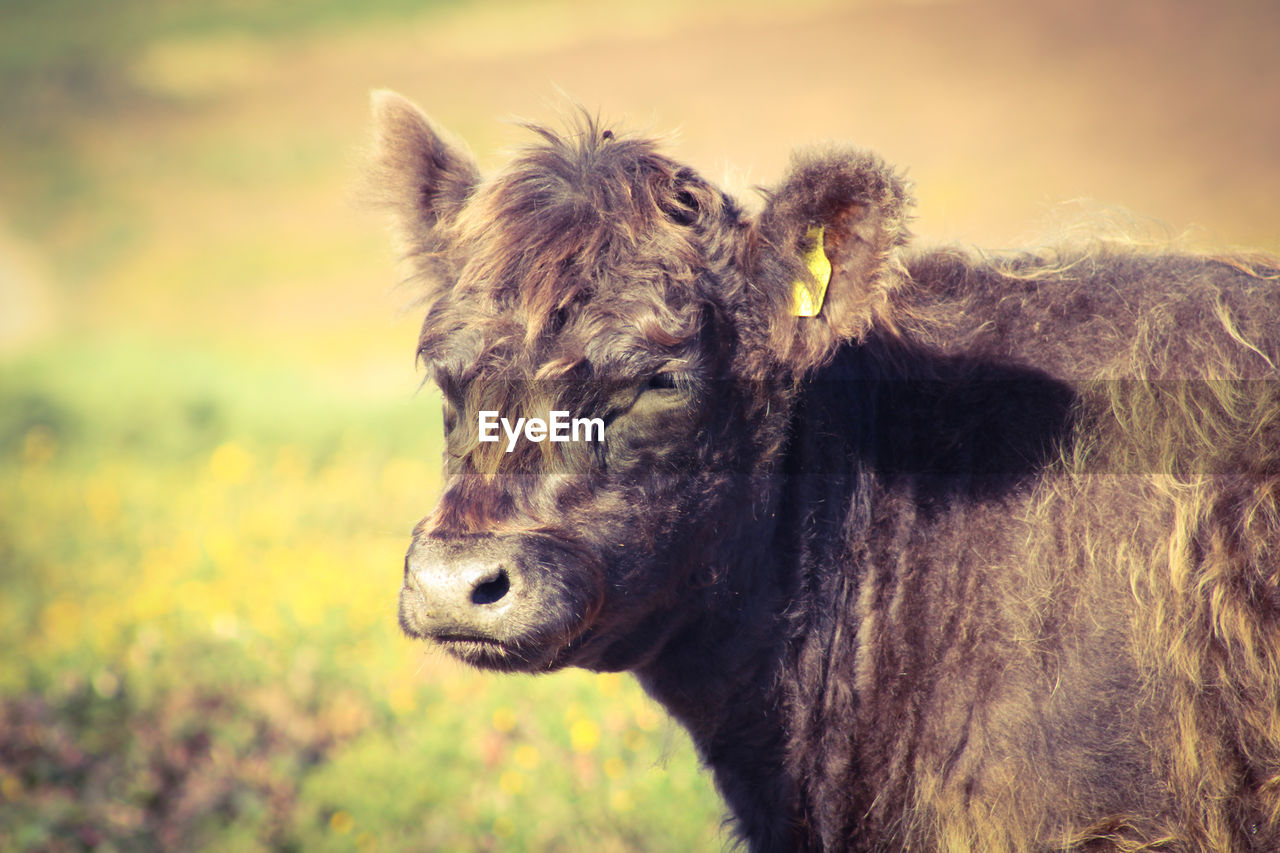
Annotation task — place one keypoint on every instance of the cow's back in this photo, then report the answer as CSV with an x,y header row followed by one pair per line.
x,y
1103,312
1118,626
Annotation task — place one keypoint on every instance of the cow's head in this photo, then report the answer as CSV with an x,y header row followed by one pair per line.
x,y
596,277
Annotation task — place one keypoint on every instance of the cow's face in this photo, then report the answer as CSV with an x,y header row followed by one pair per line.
x,y
615,343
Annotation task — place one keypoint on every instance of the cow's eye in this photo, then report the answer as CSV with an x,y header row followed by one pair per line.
x,y
662,381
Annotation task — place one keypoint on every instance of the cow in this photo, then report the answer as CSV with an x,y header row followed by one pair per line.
x,y
927,548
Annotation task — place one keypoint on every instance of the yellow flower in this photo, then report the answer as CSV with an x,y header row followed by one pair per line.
x,y
526,756
621,800
511,782
584,735
62,618
504,719
230,464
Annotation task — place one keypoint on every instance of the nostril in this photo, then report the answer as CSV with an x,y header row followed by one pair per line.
x,y
491,590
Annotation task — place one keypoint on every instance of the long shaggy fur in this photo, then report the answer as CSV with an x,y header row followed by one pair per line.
x,y
984,557
1097,668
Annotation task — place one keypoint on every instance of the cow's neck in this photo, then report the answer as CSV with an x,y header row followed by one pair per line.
x,y
710,678
740,643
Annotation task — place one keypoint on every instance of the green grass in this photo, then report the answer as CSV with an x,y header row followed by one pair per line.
x,y
200,559
206,487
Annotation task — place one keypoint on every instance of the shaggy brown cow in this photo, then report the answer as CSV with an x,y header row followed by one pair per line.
x,y
983,556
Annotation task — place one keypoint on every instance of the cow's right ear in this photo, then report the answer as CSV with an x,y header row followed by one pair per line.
x,y
826,254
421,176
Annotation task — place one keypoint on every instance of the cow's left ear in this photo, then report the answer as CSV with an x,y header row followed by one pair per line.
x,y
827,254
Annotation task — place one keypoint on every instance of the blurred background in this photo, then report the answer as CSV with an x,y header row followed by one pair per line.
x,y
212,443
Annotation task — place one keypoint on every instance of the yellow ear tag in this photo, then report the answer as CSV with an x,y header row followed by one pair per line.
x,y
807,297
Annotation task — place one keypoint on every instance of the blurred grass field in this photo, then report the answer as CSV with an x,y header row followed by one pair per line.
x,y
200,648
212,445
212,449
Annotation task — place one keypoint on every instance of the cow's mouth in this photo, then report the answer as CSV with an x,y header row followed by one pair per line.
x,y
482,652
489,653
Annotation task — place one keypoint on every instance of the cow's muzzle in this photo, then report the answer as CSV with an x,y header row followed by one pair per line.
x,y
490,601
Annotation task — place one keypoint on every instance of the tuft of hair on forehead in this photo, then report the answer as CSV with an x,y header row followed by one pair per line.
x,y
571,210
